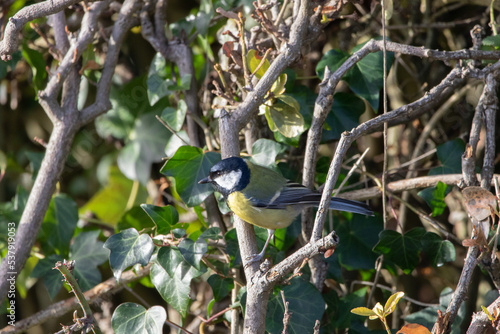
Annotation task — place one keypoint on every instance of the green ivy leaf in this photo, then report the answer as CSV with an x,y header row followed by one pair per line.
x,y
59,225
145,146
213,233
438,250
35,159
134,318
450,156
491,43
193,251
434,197
110,202
88,253
188,166
52,279
365,78
265,151
174,287
160,83
164,217
346,110
127,249
359,235
402,249
137,218
10,65
128,102
333,59
305,303
220,286
174,117
428,316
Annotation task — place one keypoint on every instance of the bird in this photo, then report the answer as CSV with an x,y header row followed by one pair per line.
x,y
262,197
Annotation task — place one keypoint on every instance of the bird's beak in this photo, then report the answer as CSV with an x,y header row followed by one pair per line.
x,y
205,180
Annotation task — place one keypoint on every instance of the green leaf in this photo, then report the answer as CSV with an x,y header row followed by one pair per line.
x,y
3,164
213,233
305,303
137,218
365,78
9,65
450,156
174,287
220,286
428,316
339,310
174,142
438,250
278,86
192,251
38,66
59,225
359,235
164,217
333,59
264,151
146,145
253,60
110,202
35,159
174,117
188,166
284,116
391,303
88,253
128,248
128,102
434,197
346,110
491,43
52,279
402,249
134,318
363,311
160,82
306,99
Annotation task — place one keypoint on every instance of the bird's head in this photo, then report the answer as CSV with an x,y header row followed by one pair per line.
x,y
228,175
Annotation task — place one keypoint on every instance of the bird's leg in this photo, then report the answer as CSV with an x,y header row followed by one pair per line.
x,y
257,257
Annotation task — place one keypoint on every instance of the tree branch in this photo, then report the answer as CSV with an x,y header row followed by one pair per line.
x,y
10,41
102,290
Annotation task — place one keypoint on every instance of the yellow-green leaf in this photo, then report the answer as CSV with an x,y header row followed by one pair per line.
x,y
278,86
391,303
285,117
253,61
364,311
379,310
485,310
270,122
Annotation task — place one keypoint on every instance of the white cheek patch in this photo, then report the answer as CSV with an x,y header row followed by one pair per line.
x,y
229,180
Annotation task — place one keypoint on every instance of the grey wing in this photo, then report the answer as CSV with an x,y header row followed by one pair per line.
x,y
293,194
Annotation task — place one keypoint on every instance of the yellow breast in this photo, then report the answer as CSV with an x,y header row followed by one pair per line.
x,y
266,218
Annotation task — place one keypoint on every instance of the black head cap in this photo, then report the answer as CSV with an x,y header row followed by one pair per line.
x,y
226,167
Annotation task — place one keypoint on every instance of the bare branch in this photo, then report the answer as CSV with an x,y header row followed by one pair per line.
x,y
490,110
10,40
102,290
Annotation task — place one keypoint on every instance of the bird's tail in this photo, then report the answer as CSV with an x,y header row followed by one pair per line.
x,y
350,206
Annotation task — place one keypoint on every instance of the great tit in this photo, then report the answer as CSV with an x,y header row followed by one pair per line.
x,y
262,197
